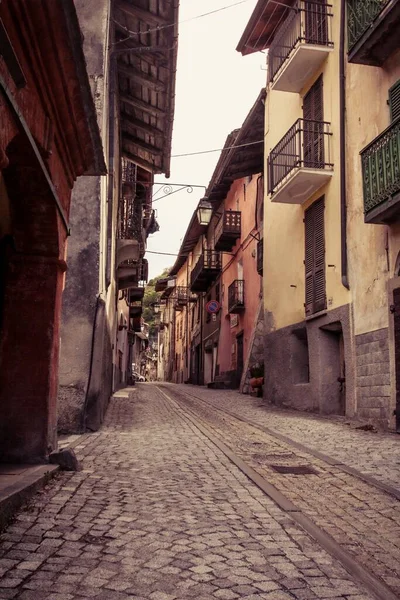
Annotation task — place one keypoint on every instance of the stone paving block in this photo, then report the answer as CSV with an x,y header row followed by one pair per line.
x,y
158,513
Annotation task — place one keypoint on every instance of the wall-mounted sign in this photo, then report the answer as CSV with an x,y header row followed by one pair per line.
x,y
234,320
213,307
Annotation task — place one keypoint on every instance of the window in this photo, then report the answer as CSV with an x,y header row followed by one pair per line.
x,y
315,257
394,101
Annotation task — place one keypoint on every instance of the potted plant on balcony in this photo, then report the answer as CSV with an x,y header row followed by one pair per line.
x,y
257,375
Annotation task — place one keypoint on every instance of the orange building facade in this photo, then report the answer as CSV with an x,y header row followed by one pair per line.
x,y
212,298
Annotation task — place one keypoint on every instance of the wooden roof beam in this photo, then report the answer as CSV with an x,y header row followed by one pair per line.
x,y
141,14
138,124
141,144
147,80
141,162
136,103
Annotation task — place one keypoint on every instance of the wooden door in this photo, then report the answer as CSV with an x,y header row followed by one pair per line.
x,y
313,135
240,358
396,316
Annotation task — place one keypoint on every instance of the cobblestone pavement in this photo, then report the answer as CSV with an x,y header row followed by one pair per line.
x,y
159,513
376,454
362,519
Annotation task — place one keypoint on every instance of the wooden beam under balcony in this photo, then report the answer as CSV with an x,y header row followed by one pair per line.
x,y
147,80
132,139
141,14
136,103
138,124
141,162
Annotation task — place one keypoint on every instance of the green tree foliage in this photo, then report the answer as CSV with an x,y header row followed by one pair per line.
x,y
149,299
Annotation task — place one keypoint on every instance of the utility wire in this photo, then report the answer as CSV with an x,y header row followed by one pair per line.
x,y
159,28
217,149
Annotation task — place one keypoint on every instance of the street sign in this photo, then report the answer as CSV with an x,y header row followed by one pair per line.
x,y
213,307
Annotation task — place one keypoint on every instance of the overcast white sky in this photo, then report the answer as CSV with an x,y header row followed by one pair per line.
x,y
215,89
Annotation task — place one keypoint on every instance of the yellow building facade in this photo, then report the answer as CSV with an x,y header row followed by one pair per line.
x,y
328,271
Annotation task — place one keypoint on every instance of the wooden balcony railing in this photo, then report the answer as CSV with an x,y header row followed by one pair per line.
x,y
306,144
236,296
381,172
308,22
228,229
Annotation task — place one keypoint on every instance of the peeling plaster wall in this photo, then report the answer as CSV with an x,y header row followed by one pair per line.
x,y
88,332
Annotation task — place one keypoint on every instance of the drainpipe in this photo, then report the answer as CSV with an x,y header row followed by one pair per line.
x,y
342,124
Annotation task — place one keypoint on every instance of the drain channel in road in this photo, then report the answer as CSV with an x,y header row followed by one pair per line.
x,y
360,572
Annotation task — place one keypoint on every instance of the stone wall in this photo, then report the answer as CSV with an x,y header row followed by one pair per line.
x,y
373,376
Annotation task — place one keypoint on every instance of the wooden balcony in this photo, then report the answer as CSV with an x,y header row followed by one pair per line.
x,y
300,163
300,46
236,297
135,293
135,324
228,230
381,176
260,256
205,271
373,30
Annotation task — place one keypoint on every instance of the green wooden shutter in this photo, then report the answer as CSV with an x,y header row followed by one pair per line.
x,y
315,257
394,101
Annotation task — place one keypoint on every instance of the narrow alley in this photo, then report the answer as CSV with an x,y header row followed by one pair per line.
x,y
177,499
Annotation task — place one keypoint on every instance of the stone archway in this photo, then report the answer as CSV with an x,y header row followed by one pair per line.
x,y
32,288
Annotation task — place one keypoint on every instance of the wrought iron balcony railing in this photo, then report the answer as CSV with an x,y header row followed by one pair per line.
x,y
360,16
228,229
206,268
129,171
305,145
260,256
373,30
381,175
309,22
236,296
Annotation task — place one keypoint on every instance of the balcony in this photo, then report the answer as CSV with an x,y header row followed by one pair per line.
x,y
300,46
135,293
381,176
181,297
135,324
228,230
236,296
300,163
373,30
205,271
260,257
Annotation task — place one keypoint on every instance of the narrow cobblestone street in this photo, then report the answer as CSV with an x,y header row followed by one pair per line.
x,y
160,513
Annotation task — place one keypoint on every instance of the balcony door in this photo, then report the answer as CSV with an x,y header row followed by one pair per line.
x,y
316,22
313,117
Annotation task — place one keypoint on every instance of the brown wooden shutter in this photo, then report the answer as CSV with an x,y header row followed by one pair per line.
x,y
315,257
313,115
316,22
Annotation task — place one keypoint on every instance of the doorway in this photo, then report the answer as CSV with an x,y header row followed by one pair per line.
x,y
316,22
313,123
396,319
240,358
333,371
